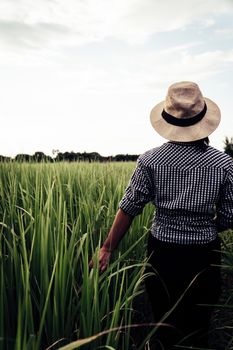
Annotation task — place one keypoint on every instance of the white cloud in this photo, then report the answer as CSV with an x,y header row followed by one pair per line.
x,y
148,71
33,36
224,32
74,22
128,72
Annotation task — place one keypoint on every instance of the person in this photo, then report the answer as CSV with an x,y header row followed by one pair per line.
x,y
191,185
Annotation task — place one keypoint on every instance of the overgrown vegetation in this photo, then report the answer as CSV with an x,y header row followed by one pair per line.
x,y
53,216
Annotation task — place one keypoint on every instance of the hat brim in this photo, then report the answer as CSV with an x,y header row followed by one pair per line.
x,y
198,131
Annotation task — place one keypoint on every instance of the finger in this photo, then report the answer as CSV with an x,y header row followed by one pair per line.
x,y
103,268
104,264
103,261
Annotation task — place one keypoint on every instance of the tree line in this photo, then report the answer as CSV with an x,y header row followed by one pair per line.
x,y
70,157
89,157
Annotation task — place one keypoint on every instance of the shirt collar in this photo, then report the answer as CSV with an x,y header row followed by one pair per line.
x,y
182,143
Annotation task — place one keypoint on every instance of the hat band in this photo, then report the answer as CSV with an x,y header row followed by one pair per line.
x,y
184,121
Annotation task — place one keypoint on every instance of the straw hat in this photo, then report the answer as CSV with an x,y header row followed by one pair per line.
x,y
185,115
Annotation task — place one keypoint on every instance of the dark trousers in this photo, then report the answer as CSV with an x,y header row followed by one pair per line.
x,y
186,270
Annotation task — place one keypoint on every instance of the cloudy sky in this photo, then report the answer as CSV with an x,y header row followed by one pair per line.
x,y
83,75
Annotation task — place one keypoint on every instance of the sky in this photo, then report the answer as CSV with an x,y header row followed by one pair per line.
x,y
83,75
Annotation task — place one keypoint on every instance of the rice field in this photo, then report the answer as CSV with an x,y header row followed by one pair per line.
x,y
54,218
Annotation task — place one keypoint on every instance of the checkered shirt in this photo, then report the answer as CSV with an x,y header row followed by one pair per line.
x,y
192,190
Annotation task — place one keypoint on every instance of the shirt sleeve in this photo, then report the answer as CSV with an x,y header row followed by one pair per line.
x,y
224,208
138,192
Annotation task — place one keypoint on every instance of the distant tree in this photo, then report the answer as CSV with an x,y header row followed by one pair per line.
x,y
41,157
86,157
119,158
67,156
228,146
37,157
132,157
125,157
5,159
59,157
94,156
22,157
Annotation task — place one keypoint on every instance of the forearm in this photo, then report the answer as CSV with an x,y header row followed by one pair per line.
x,y
119,227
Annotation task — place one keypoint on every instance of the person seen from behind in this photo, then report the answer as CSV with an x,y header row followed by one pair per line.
x,y
190,184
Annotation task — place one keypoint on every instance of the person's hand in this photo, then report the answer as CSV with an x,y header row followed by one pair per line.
x,y
104,257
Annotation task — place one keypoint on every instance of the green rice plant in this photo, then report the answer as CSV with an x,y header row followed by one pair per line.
x,y
54,218
222,332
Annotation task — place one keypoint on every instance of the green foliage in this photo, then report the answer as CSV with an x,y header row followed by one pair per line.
x,y
53,216
228,146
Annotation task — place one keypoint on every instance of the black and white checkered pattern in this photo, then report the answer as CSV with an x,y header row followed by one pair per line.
x,y
191,188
